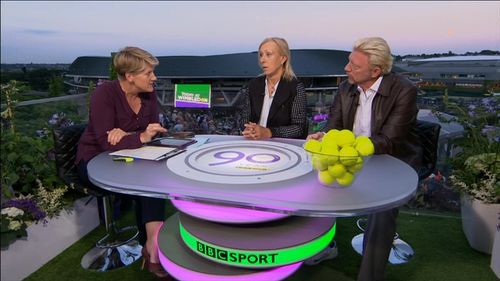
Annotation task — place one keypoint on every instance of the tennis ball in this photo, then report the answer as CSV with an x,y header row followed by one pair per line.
x,y
337,170
365,147
356,167
324,177
319,162
332,160
348,155
313,146
345,138
329,148
360,139
330,136
346,180
331,151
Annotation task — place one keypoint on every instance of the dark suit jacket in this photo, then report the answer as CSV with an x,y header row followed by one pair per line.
x,y
394,115
287,115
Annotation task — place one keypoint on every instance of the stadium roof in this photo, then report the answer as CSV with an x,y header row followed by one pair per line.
x,y
306,63
461,58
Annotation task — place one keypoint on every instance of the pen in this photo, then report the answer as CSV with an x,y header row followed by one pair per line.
x,y
170,154
124,159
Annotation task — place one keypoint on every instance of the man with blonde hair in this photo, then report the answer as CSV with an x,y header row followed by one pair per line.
x,y
381,105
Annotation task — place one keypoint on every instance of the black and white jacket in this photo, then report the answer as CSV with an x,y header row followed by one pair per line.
x,y
287,115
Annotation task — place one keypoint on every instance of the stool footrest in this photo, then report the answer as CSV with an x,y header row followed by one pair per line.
x,y
120,237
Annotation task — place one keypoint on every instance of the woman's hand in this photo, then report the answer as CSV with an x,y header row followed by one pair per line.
x,y
256,132
116,135
151,131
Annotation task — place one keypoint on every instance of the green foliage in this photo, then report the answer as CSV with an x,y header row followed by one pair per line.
x,y
91,89
25,159
10,94
9,235
112,71
56,86
31,189
34,117
17,215
8,76
39,79
476,168
25,156
51,201
480,178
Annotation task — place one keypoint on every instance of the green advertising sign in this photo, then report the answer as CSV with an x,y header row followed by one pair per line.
x,y
192,95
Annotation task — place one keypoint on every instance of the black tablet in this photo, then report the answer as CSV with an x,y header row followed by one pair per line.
x,y
172,142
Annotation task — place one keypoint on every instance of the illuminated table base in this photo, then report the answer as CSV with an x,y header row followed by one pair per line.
x,y
294,239
225,214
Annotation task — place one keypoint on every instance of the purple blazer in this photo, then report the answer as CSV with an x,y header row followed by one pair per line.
x,y
109,109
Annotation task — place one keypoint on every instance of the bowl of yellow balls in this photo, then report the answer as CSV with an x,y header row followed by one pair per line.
x,y
339,156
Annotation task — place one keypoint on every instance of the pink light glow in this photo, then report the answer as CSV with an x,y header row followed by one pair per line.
x,y
181,273
225,214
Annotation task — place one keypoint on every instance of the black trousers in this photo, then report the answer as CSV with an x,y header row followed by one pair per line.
x,y
377,242
147,209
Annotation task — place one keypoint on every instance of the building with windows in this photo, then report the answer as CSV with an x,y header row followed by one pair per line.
x,y
474,74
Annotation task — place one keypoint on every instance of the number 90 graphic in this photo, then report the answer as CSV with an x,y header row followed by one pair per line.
x,y
241,162
233,156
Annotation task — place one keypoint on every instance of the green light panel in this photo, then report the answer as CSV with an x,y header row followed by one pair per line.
x,y
256,259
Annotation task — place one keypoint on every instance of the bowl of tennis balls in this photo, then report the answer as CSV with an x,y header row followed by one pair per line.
x,y
339,156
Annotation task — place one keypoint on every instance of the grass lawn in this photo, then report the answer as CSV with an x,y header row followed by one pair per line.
x,y
442,253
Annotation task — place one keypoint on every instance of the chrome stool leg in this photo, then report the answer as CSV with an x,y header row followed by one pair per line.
x,y
401,252
118,248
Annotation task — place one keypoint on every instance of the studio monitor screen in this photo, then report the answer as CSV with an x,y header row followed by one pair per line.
x,y
192,95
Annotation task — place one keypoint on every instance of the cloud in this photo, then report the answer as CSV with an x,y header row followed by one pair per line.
x,y
40,31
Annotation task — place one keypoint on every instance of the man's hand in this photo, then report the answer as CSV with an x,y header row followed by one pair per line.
x,y
315,136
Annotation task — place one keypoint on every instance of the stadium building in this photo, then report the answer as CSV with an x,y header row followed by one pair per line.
x,y
321,71
472,74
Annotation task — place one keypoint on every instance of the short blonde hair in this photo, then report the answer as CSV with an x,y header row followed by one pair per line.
x,y
132,60
283,50
378,51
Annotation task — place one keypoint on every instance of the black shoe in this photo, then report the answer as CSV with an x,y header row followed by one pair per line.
x,y
330,252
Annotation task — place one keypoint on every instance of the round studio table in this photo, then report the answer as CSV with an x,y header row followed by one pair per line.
x,y
384,183
273,176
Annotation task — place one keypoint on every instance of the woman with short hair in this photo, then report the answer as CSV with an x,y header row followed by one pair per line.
x,y
124,115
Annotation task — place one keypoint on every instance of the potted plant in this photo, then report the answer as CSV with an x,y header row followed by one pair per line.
x,y
476,169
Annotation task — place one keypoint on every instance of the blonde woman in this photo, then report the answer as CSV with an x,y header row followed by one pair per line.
x,y
275,102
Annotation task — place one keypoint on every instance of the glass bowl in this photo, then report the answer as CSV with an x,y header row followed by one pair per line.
x,y
335,169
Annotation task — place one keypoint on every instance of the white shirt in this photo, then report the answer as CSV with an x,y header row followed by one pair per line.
x,y
266,105
363,118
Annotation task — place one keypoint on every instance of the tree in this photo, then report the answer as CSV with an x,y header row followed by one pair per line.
x,y
91,89
56,86
112,71
10,94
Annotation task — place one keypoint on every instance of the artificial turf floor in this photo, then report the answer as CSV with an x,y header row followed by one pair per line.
x,y
441,253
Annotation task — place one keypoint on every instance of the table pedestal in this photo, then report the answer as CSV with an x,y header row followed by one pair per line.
x,y
194,249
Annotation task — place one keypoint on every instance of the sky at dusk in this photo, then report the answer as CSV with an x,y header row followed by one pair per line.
x,y
59,31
